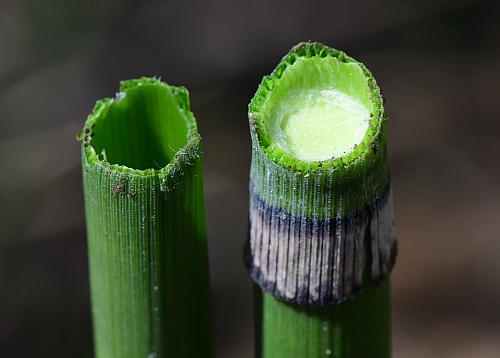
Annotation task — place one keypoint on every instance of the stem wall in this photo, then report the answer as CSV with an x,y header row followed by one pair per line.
x,y
148,263
359,328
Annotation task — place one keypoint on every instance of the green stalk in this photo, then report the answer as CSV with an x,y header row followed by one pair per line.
x,y
145,224
321,243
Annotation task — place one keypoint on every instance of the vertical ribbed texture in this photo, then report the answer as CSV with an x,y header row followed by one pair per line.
x,y
359,328
148,264
147,246
321,243
313,224
304,260
308,232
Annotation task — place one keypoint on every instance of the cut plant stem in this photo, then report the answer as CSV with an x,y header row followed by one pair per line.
x,y
321,243
145,224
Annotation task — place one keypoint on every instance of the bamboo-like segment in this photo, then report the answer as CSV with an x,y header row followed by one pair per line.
x,y
321,243
145,225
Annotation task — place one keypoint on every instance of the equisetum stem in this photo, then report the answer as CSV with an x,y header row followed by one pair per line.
x,y
357,328
145,224
321,243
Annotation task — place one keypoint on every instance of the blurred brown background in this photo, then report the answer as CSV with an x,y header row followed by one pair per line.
x,y
438,63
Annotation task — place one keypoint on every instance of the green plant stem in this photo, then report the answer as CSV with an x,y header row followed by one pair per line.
x,y
321,243
358,328
145,225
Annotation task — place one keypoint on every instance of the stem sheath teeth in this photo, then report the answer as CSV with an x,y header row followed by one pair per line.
x,y
320,197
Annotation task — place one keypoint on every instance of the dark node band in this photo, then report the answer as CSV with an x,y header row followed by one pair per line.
x,y
311,261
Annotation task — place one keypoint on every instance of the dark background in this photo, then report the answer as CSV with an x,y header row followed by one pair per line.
x,y
437,62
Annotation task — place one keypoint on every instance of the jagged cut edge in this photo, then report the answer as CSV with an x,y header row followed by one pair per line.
x,y
314,226
310,261
170,174
281,157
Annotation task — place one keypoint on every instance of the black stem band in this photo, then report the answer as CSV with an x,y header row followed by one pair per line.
x,y
320,261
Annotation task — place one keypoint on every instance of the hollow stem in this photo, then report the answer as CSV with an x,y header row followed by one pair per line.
x,y
321,243
145,224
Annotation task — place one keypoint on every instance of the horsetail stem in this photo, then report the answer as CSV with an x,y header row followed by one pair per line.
x,y
321,221
145,224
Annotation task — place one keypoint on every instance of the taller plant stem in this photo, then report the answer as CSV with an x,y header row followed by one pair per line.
x,y
321,243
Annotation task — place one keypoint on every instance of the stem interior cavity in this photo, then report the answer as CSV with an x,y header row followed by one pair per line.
x,y
319,109
142,128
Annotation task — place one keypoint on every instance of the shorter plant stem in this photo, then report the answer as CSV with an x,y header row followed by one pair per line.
x,y
145,225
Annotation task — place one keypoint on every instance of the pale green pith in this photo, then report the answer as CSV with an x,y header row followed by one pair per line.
x,y
319,109
321,124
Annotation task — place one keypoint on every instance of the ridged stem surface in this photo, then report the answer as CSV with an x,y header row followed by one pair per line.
x,y
321,244
359,328
146,226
